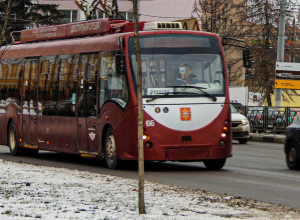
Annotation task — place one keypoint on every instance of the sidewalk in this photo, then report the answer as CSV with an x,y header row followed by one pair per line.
x,y
267,137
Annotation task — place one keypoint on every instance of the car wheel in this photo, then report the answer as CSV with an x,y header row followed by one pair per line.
x,y
214,164
243,141
110,154
292,158
14,149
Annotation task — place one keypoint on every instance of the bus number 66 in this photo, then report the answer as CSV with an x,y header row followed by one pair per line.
x,y
150,123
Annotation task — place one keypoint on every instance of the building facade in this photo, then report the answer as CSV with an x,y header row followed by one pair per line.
x,y
150,10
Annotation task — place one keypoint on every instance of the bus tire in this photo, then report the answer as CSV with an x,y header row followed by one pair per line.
x,y
14,149
110,154
292,158
214,164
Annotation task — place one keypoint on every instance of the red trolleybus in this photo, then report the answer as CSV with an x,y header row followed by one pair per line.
x,y
73,88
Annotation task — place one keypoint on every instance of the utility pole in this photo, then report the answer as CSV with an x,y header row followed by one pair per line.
x,y
140,106
280,46
138,9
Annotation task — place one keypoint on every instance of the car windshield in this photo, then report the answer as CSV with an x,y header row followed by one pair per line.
x,y
179,65
233,110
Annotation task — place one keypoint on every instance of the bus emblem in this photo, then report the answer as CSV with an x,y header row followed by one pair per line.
x,y
92,135
185,114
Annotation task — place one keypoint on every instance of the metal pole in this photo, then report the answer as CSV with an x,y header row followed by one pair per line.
x,y
280,46
138,9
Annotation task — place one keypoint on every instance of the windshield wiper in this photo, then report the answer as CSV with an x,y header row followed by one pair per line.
x,y
214,98
165,94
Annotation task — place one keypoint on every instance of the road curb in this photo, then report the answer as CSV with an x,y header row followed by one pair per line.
x,y
267,138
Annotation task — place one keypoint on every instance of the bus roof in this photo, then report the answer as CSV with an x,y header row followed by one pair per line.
x,y
102,26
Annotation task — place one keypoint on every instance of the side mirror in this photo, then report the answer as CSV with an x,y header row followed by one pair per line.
x,y
120,63
246,58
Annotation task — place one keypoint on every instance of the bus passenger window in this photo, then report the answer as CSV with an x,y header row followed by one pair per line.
x,y
113,85
88,69
3,86
47,86
66,85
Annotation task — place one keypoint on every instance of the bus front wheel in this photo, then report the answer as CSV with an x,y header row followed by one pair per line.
x,y
110,153
14,149
214,164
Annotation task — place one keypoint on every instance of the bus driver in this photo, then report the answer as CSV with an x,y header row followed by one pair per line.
x,y
184,76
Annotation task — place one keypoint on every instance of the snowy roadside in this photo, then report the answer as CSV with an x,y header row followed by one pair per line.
x,y
37,192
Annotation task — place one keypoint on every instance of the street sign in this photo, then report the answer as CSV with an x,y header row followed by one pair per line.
x,y
287,75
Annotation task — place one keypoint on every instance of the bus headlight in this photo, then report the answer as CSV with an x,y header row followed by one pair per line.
x,y
223,135
145,137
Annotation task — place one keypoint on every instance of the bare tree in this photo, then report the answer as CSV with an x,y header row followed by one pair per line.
x,y
8,12
141,111
223,17
262,34
257,22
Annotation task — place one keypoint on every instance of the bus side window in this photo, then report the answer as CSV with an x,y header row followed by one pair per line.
x,y
13,82
113,85
88,68
66,88
3,71
47,86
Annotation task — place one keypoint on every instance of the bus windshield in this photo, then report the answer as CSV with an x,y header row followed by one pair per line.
x,y
179,65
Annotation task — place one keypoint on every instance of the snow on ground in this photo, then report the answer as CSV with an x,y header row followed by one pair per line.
x,y
37,192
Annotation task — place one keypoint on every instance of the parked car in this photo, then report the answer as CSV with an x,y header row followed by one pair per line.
x,y
283,121
292,144
238,106
240,126
256,117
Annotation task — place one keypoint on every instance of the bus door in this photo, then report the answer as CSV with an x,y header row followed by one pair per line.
x,y
29,116
66,121
86,100
57,107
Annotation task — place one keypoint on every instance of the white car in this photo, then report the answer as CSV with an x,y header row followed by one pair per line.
x,y
240,126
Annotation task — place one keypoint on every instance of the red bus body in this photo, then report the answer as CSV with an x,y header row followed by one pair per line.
x,y
71,70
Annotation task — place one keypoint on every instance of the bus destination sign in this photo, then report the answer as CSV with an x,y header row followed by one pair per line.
x,y
287,75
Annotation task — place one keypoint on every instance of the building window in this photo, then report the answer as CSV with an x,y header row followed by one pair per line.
x,y
70,16
254,98
122,14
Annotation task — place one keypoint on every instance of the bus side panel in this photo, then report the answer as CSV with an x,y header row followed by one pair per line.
x,y
127,130
3,130
66,134
47,132
57,133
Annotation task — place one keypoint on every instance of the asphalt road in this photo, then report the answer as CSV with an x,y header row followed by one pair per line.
x,y
257,170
